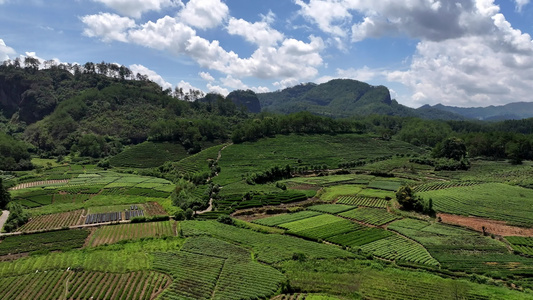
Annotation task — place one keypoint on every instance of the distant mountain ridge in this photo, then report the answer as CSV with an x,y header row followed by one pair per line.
x,y
336,98
511,111
341,98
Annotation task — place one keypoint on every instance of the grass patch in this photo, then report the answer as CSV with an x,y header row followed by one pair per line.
x,y
333,192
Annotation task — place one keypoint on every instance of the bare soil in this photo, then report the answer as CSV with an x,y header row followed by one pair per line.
x,y
491,226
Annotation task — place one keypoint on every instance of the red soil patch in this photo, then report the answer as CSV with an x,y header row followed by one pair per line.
x,y
491,226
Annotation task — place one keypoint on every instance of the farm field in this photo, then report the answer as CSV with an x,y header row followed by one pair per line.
x,y
46,241
303,151
362,201
268,248
209,268
148,155
521,244
84,285
372,216
497,201
463,249
373,281
115,233
325,235
54,221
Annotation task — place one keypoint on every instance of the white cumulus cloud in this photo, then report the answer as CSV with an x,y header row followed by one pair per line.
x,y
494,66
468,53
5,51
109,27
520,4
259,33
204,14
329,15
135,8
186,86
233,83
206,76
217,89
152,75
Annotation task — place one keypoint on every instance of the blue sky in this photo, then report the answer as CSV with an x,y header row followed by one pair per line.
x,y
461,52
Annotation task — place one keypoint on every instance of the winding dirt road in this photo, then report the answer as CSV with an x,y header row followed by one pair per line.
x,y
3,218
210,208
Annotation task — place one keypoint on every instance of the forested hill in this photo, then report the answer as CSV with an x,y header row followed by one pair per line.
x,y
340,98
96,109
511,111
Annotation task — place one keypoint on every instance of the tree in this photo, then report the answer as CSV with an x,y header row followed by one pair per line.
x,y
189,213
5,196
452,148
31,63
406,198
17,217
102,68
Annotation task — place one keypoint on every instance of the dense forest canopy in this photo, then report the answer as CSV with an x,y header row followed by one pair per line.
x,y
96,109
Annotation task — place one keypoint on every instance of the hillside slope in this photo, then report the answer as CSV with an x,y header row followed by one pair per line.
x,y
340,98
511,111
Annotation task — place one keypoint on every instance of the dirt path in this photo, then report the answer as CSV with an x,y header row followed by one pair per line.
x,y
36,183
3,218
210,207
491,226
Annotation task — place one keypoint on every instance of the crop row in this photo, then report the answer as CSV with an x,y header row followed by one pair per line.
x,y
286,218
385,185
483,261
148,155
325,231
331,208
311,222
237,202
363,201
134,191
230,272
135,285
475,202
53,221
521,244
360,236
400,249
373,216
114,233
433,186
154,209
54,240
523,249
268,248
195,275
247,280
519,240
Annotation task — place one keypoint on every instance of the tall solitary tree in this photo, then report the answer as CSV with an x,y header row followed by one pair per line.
x,y
5,197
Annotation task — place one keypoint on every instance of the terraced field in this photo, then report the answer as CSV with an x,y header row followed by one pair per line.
x,y
372,216
54,221
489,200
227,273
84,285
112,234
400,249
363,201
